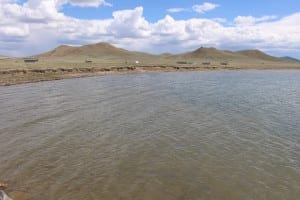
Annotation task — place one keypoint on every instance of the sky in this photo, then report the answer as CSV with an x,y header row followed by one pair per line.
x,y
29,27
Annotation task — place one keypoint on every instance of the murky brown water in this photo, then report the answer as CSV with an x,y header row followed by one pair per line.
x,y
205,135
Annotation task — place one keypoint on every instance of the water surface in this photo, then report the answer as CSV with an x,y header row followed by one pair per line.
x,y
193,135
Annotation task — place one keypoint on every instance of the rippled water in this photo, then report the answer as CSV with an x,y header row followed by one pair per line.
x,y
199,135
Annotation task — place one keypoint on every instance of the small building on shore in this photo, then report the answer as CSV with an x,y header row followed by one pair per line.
x,y
31,60
88,60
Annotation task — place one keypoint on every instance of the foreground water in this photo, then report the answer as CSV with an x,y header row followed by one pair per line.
x,y
204,135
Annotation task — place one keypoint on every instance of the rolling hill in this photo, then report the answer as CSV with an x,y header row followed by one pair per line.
x,y
203,52
257,54
104,50
288,58
98,50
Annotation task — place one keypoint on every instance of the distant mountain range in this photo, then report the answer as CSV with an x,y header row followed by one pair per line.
x,y
288,58
103,50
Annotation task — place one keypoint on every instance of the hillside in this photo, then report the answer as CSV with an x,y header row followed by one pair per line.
x,y
288,58
203,52
107,51
215,54
257,54
92,51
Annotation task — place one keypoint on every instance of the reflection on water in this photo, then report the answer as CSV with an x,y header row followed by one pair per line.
x,y
204,135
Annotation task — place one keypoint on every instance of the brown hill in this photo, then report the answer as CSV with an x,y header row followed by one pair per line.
x,y
208,53
257,54
213,53
91,50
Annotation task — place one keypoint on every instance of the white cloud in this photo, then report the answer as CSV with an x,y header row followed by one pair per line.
x,y
266,18
203,8
176,10
89,3
38,26
58,3
250,20
129,23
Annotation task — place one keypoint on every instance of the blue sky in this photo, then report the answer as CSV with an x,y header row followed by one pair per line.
x,y
154,11
32,26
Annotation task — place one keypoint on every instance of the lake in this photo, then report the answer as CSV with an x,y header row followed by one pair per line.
x,y
187,135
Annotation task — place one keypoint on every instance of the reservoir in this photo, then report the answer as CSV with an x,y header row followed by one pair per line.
x,y
158,136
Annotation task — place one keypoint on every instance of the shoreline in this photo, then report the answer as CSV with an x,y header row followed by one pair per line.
x,y
22,76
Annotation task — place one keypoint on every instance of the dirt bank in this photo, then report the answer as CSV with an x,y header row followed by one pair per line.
x,y
18,76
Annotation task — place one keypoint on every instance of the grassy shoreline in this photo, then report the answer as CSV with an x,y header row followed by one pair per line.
x,y
21,76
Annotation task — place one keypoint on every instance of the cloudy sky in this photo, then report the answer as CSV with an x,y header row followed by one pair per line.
x,y
32,26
